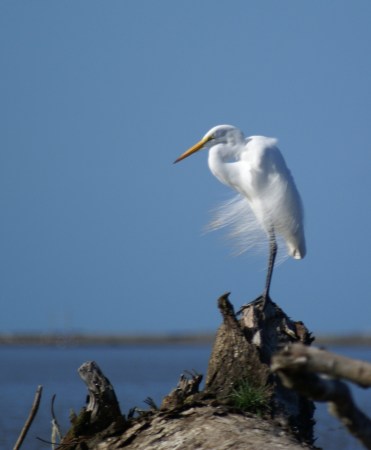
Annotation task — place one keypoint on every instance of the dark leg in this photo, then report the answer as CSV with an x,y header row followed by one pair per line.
x,y
272,257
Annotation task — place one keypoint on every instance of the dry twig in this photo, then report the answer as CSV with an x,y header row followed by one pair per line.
x,y
31,416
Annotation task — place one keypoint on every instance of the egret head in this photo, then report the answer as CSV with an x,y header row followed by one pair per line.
x,y
221,134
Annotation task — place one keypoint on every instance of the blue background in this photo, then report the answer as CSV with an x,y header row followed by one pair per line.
x,y
99,232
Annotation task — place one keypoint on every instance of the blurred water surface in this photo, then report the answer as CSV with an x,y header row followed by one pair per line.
x,y
136,372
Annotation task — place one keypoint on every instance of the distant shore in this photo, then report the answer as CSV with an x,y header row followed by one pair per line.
x,y
75,339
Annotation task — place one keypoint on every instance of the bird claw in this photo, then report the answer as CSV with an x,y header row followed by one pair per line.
x,y
263,299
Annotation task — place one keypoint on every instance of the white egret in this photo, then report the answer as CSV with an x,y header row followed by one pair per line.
x,y
255,168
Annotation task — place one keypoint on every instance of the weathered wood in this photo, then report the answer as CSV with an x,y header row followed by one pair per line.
x,y
314,359
187,387
211,419
103,404
56,430
242,352
298,366
233,357
30,418
209,427
101,417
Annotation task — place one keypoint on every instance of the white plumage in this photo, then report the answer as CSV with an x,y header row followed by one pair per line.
x,y
256,169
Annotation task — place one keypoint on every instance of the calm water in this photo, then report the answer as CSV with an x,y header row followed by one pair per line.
x,y
135,372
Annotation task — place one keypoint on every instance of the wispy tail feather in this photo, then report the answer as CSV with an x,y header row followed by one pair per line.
x,y
245,230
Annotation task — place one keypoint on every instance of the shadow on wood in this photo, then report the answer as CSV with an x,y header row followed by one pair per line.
x,y
242,353
243,405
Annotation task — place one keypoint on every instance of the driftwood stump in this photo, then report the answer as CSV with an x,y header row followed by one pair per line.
x,y
211,419
101,417
242,353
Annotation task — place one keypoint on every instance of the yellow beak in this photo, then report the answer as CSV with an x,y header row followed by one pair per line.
x,y
193,149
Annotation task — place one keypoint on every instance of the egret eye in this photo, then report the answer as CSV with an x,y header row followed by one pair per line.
x,y
218,134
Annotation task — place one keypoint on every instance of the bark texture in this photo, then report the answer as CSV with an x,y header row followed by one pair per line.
x,y
203,428
302,369
211,419
242,352
101,417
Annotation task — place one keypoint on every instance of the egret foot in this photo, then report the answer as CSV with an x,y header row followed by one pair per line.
x,y
265,301
253,302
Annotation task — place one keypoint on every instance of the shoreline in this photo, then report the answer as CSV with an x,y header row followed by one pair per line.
x,y
76,339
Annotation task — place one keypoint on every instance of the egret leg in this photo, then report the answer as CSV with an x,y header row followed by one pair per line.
x,y
272,257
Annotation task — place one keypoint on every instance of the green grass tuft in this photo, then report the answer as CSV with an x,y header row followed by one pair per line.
x,y
251,398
